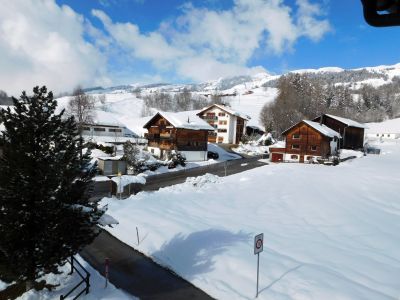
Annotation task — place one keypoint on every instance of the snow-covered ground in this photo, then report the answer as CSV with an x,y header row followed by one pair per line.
x,y
97,289
388,126
330,232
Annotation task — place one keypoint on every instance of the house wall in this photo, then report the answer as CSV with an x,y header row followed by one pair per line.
x,y
307,138
195,155
104,130
352,137
163,138
234,131
112,167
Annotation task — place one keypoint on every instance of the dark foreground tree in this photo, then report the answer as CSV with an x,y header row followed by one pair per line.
x,y
45,213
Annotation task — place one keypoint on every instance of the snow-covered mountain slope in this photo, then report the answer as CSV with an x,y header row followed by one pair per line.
x,y
246,94
388,126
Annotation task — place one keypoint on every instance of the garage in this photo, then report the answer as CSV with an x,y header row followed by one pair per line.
x,y
276,157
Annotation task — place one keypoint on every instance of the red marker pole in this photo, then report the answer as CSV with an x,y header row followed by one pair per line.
x,y
107,265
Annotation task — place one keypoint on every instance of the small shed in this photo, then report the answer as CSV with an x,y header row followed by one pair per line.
x,y
112,165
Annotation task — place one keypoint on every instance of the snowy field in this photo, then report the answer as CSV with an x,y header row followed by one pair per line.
x,y
330,232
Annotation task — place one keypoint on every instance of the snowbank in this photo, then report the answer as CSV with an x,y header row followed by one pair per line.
x,y
67,282
125,180
332,233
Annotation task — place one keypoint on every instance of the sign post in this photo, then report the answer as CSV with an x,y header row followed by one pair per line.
x,y
120,188
258,247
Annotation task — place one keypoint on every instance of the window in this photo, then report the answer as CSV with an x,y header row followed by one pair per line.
x,y
294,157
152,151
296,147
222,130
114,130
313,148
223,122
310,157
99,129
86,128
296,136
388,135
221,114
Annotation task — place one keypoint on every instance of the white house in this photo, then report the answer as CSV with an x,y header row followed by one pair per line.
x,y
105,129
229,125
383,135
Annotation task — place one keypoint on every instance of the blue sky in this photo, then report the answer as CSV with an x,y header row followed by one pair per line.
x,y
350,44
109,42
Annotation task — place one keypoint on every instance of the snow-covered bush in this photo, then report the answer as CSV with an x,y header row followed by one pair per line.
x,y
176,159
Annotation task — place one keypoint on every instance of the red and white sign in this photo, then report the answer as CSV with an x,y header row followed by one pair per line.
x,y
258,243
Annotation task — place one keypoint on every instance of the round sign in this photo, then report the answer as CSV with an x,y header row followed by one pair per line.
x,y
259,244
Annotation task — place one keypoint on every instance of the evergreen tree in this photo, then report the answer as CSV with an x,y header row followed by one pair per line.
x,y
131,156
45,213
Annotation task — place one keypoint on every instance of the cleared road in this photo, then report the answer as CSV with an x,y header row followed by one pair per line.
x,y
137,274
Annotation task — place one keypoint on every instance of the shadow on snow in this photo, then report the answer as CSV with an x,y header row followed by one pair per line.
x,y
193,254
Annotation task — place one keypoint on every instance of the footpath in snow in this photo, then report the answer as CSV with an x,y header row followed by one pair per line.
x,y
329,232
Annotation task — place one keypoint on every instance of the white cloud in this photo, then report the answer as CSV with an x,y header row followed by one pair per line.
x,y
203,44
42,43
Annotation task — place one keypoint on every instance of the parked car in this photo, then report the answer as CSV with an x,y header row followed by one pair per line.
x,y
212,155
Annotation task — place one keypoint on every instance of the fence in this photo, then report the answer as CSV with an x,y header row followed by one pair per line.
x,y
85,279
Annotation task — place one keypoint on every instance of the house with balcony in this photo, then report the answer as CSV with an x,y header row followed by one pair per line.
x,y
184,132
229,125
306,141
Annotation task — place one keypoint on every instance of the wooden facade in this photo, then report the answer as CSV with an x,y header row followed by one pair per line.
x,y
165,136
304,143
304,140
352,136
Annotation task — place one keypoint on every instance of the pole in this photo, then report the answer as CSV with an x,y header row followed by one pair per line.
x,y
107,262
120,190
137,234
258,269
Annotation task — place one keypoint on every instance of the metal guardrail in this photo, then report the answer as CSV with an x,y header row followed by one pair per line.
x,y
85,279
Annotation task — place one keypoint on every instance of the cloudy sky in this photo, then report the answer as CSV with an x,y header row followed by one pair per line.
x,y
63,43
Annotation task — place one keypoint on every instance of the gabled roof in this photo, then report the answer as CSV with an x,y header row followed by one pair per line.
x,y
226,109
323,129
185,120
347,122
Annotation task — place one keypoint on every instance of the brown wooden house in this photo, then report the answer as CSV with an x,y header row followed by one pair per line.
x,y
306,141
352,132
183,132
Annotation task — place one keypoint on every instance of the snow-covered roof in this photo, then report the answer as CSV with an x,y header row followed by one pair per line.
x,y
348,122
228,110
325,130
185,120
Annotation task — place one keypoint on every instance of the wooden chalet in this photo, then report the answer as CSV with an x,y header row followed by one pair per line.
x,y
183,132
352,132
306,141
